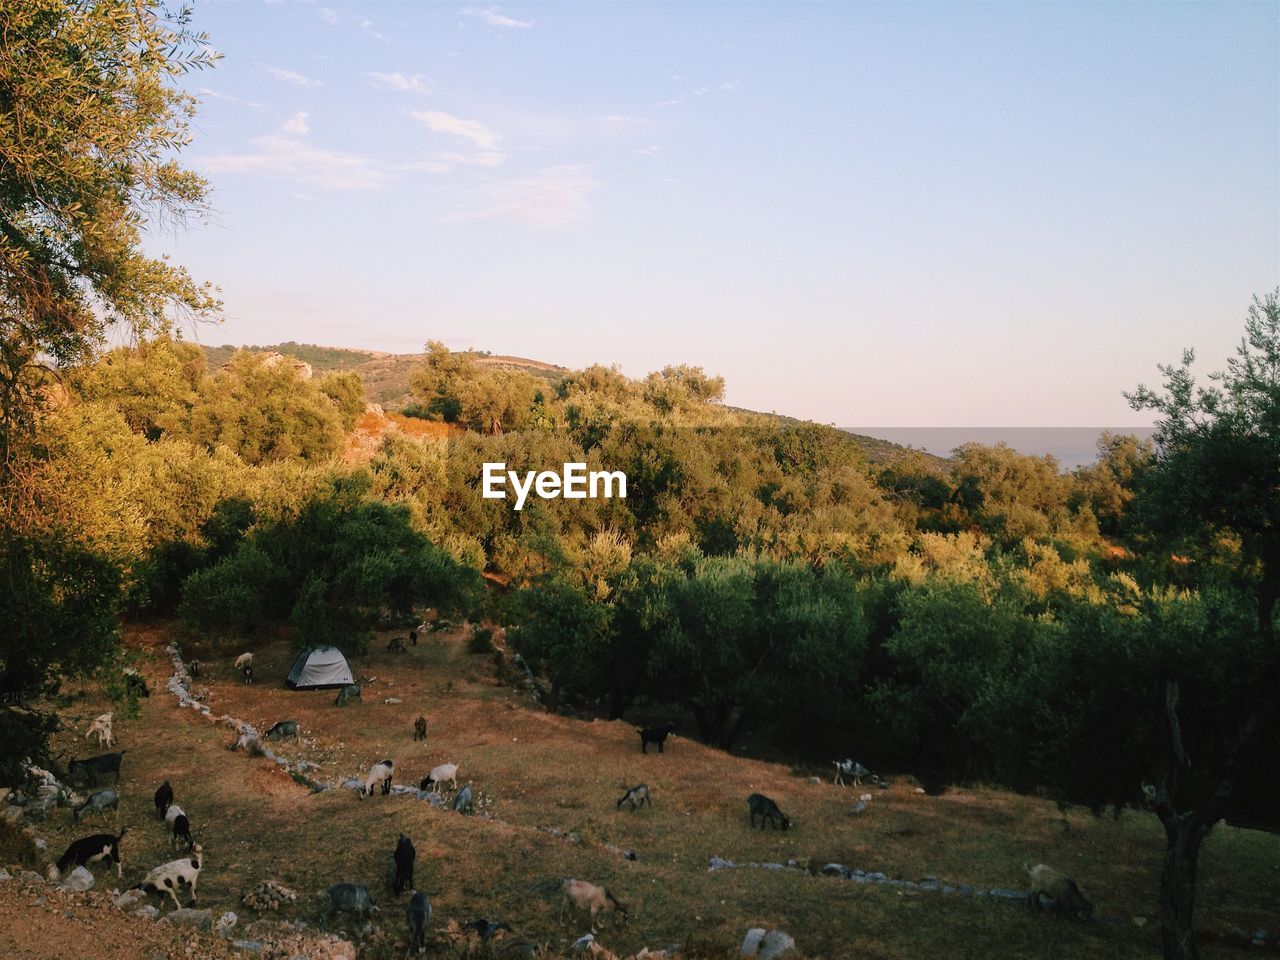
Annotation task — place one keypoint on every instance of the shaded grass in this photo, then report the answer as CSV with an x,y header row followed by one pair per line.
x,y
544,771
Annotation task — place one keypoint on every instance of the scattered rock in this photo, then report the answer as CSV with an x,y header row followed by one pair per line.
x,y
147,913
1139,922
859,806
815,779
77,881
4,874
583,943
775,944
200,919
128,899
718,863
225,924
392,700
250,946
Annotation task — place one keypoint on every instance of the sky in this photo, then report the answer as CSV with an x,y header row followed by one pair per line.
x,y
899,214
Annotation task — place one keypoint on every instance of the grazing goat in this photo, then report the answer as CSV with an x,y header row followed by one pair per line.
x,y
761,806
656,735
418,915
486,928
420,728
100,846
101,728
637,796
1058,887
854,770
193,669
172,876
244,660
348,693
462,802
348,898
177,820
282,730
246,673
94,767
581,895
134,683
381,773
100,802
413,638
164,798
404,856
438,775
396,645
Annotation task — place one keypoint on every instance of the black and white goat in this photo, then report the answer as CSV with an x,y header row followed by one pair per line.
x,y
173,876
100,846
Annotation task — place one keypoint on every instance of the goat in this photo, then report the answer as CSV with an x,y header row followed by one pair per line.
x,y
172,876
193,669
418,915
656,735
99,802
396,645
349,692
101,728
637,796
246,673
177,820
413,638
462,802
581,895
282,730
761,806
163,798
420,728
100,846
348,898
854,770
381,773
244,660
93,767
1058,887
438,775
486,928
134,683
404,857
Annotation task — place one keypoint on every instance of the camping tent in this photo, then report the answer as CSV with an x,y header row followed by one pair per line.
x,y
319,667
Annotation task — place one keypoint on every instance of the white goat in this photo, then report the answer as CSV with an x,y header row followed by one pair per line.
x,y
582,895
380,774
244,660
101,728
437,776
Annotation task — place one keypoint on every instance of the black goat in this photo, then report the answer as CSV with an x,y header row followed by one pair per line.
x,y
656,735
164,798
404,857
761,806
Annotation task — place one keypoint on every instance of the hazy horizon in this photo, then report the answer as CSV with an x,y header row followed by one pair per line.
x,y
893,213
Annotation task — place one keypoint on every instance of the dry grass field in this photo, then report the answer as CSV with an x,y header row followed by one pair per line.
x,y
535,771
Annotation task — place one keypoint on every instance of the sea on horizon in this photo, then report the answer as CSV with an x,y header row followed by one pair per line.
x,y
1071,446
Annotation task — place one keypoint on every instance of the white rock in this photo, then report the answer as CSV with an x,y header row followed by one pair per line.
x,y
128,899
751,942
775,944
77,881
225,924
147,913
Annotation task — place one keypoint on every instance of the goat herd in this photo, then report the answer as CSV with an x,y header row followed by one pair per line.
x,y
354,899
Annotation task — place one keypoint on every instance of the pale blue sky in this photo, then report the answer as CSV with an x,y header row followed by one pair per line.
x,y
896,214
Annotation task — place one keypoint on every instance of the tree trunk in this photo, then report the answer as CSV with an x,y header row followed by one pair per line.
x,y
1184,835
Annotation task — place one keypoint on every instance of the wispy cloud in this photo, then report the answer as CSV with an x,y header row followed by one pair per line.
x,y
621,120
297,124
288,154
292,76
649,151
495,18
211,94
551,198
441,122
328,15
410,83
368,27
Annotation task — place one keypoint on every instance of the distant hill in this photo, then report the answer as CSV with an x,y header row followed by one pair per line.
x,y
386,378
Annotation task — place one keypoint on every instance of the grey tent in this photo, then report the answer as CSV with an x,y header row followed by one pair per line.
x,y
319,667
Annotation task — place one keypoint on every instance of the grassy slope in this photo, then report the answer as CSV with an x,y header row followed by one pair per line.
x,y
541,770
